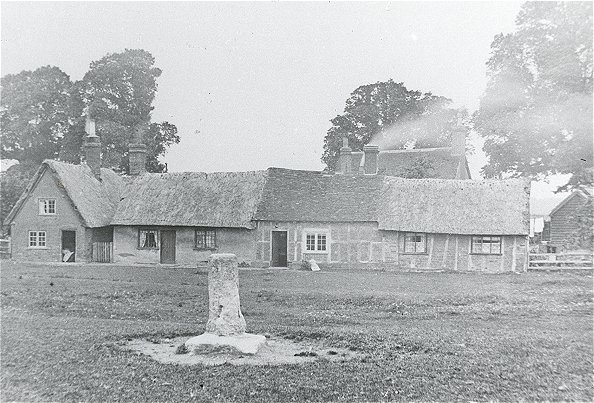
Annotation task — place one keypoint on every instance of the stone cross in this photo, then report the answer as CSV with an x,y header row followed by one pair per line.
x,y
224,312
225,329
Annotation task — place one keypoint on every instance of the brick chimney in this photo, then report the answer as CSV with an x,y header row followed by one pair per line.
x,y
92,148
370,164
137,152
344,158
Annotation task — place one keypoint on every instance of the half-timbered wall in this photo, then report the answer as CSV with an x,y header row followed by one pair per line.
x,y
362,245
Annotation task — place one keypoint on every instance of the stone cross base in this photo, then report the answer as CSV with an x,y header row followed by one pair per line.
x,y
225,329
245,343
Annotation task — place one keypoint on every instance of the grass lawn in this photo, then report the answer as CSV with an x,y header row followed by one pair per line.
x,y
422,336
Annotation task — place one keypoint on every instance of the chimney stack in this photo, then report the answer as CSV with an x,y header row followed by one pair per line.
x,y
459,139
92,148
137,151
370,164
344,159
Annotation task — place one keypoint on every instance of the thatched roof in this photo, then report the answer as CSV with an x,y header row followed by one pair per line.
x,y
237,199
441,164
498,207
95,200
292,195
220,199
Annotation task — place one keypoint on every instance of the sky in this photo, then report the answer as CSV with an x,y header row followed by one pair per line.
x,y
254,85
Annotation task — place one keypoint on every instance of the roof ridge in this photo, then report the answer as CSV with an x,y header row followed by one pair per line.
x,y
416,150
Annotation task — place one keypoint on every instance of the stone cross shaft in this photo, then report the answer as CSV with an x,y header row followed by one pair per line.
x,y
224,312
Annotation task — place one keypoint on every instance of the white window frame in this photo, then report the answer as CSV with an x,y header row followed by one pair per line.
x,y
417,250
205,234
317,234
44,206
157,238
493,240
34,239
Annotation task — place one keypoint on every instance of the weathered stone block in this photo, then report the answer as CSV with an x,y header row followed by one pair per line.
x,y
224,313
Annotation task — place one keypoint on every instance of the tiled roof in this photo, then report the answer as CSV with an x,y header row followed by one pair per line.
x,y
291,195
440,161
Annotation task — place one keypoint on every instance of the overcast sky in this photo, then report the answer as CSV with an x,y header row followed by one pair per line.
x,y
254,85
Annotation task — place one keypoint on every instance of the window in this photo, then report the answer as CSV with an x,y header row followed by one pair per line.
x,y
37,239
148,239
47,206
205,238
315,242
489,245
415,242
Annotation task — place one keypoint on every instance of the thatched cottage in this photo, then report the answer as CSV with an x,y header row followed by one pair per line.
x,y
277,217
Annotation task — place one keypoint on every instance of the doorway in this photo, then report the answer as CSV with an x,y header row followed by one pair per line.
x,y
279,249
68,246
168,246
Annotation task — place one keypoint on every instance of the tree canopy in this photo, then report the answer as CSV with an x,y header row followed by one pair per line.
x,y
42,116
393,116
34,114
42,112
536,113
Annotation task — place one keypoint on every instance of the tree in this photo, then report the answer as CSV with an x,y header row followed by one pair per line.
x,y
390,114
42,112
119,90
42,116
419,169
34,113
536,113
12,184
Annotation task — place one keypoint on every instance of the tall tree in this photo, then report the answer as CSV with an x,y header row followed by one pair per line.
x,y
536,113
119,90
34,113
390,114
42,116
42,112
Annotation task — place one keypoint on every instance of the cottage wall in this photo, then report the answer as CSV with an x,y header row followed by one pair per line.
x,y
452,252
29,219
362,245
229,240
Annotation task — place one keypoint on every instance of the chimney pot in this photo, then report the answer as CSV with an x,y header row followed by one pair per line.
x,y
370,164
92,148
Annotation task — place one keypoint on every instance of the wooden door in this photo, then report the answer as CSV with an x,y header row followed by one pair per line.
x,y
279,249
168,246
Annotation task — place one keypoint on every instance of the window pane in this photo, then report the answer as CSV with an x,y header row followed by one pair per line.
x,y
496,244
148,239
476,244
486,245
409,243
421,243
209,241
51,207
200,239
310,242
321,242
41,238
32,238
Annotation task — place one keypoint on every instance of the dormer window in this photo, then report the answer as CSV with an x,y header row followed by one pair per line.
x,y
47,206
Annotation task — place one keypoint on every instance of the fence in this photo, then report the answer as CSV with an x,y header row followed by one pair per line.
x,y
560,261
102,252
5,250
